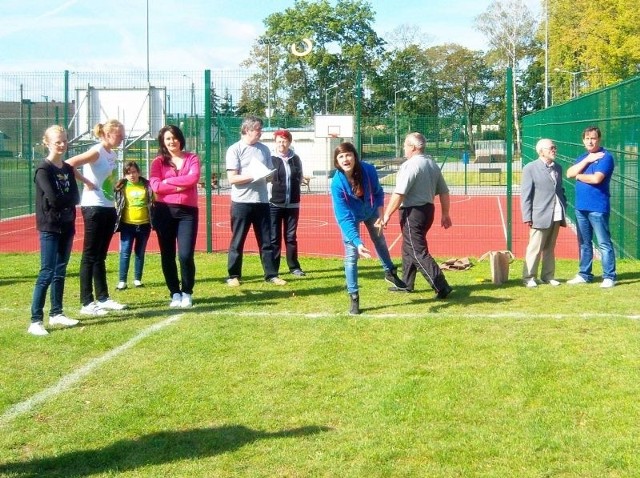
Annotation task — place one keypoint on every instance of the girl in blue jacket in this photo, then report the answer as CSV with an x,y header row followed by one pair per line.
x,y
358,197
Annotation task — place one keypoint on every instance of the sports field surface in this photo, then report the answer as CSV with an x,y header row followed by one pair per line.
x,y
480,224
265,381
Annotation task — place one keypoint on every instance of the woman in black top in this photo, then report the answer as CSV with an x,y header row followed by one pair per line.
x,y
285,201
56,199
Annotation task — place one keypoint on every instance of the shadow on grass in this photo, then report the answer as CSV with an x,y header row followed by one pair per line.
x,y
154,449
234,299
627,277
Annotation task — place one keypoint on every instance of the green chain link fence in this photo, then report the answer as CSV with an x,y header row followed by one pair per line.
x,y
616,111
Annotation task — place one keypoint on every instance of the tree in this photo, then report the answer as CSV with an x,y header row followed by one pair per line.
x,y
407,71
252,97
226,104
592,44
403,36
463,78
510,28
214,101
343,42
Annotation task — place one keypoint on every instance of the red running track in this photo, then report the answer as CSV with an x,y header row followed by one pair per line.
x,y
479,225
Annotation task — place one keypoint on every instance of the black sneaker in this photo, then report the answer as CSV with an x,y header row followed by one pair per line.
x,y
393,279
399,289
444,292
298,272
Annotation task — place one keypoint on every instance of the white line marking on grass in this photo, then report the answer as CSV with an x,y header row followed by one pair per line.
x,y
67,381
432,315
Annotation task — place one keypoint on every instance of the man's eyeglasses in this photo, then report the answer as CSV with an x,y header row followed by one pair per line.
x,y
552,148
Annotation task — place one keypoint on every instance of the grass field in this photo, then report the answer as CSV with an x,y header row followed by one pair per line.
x,y
262,381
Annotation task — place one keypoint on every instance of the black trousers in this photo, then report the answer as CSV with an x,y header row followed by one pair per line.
x,y
285,220
243,217
177,230
99,224
415,222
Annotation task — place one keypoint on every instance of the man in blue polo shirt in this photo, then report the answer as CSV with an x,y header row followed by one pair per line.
x,y
592,171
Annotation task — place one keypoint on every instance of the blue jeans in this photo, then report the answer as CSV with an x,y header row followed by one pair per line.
x,y
351,255
133,237
588,223
55,250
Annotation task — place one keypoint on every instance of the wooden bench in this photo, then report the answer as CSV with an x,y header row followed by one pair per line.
x,y
489,175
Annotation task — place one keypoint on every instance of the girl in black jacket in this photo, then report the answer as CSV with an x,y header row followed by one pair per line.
x,y
56,199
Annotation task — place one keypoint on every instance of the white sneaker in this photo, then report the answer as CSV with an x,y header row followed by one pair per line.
x,y
61,319
277,281
137,283
186,301
552,282
233,282
37,328
176,300
577,280
110,304
121,285
92,309
607,283
531,283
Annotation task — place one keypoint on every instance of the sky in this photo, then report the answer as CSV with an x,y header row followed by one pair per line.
x,y
188,35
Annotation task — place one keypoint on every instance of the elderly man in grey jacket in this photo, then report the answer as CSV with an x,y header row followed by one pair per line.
x,y
543,206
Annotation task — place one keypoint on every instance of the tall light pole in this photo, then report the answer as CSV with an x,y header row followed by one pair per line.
x,y
546,54
268,42
46,106
192,119
326,95
395,119
193,95
574,79
148,80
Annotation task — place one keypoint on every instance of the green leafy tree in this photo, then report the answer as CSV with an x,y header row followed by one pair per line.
x,y
252,98
226,104
591,45
214,101
406,80
510,29
463,78
343,43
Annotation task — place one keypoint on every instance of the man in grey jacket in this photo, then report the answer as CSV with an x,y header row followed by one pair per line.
x,y
543,206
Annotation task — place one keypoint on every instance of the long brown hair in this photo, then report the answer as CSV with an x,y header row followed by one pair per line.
x,y
162,149
356,177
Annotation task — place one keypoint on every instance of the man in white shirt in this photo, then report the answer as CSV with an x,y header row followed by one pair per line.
x,y
250,201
